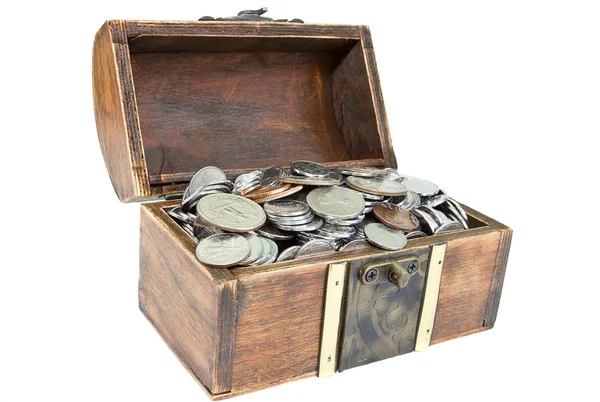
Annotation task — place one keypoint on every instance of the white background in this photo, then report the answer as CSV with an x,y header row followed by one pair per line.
x,y
498,102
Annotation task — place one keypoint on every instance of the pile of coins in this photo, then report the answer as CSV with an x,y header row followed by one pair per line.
x,y
276,214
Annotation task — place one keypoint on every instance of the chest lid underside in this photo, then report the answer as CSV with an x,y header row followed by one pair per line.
x,y
173,97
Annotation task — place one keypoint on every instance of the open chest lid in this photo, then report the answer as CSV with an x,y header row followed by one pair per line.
x,y
173,97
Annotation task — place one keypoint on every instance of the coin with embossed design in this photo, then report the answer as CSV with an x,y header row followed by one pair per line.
x,y
385,237
231,212
205,176
309,169
223,250
376,185
336,202
396,217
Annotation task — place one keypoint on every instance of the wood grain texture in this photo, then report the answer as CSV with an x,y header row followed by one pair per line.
x,y
278,326
377,98
240,29
466,281
191,309
235,95
236,110
269,318
498,279
116,114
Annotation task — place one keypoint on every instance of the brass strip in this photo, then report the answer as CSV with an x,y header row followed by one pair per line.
x,y
331,319
430,301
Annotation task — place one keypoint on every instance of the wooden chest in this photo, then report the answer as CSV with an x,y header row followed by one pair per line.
x,y
171,97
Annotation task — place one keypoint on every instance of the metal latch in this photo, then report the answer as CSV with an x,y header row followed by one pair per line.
x,y
386,308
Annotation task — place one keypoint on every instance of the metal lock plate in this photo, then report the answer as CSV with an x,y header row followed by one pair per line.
x,y
382,308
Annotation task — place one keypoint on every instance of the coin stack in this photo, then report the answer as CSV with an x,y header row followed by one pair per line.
x,y
308,210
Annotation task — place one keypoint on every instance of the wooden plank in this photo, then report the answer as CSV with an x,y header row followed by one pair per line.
x,y
240,29
116,113
498,279
466,280
192,311
377,98
279,326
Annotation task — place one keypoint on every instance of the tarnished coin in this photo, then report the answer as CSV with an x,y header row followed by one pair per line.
x,y
231,212
205,176
381,186
356,244
271,232
309,169
310,181
385,237
336,203
270,176
278,195
286,208
396,217
314,247
422,187
416,234
267,191
223,250
288,254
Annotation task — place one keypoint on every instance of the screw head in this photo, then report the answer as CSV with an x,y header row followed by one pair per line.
x,y
371,275
412,267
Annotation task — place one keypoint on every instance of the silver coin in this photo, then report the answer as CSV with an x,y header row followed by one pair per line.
x,y
346,222
178,215
294,220
268,248
187,228
455,214
256,248
428,223
435,200
449,226
205,176
203,229
336,203
440,217
310,181
314,247
459,208
410,201
231,212
338,232
378,185
356,244
358,174
315,224
223,250
422,187
271,232
286,208
385,237
415,234
308,236
288,254
270,176
309,169
273,252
